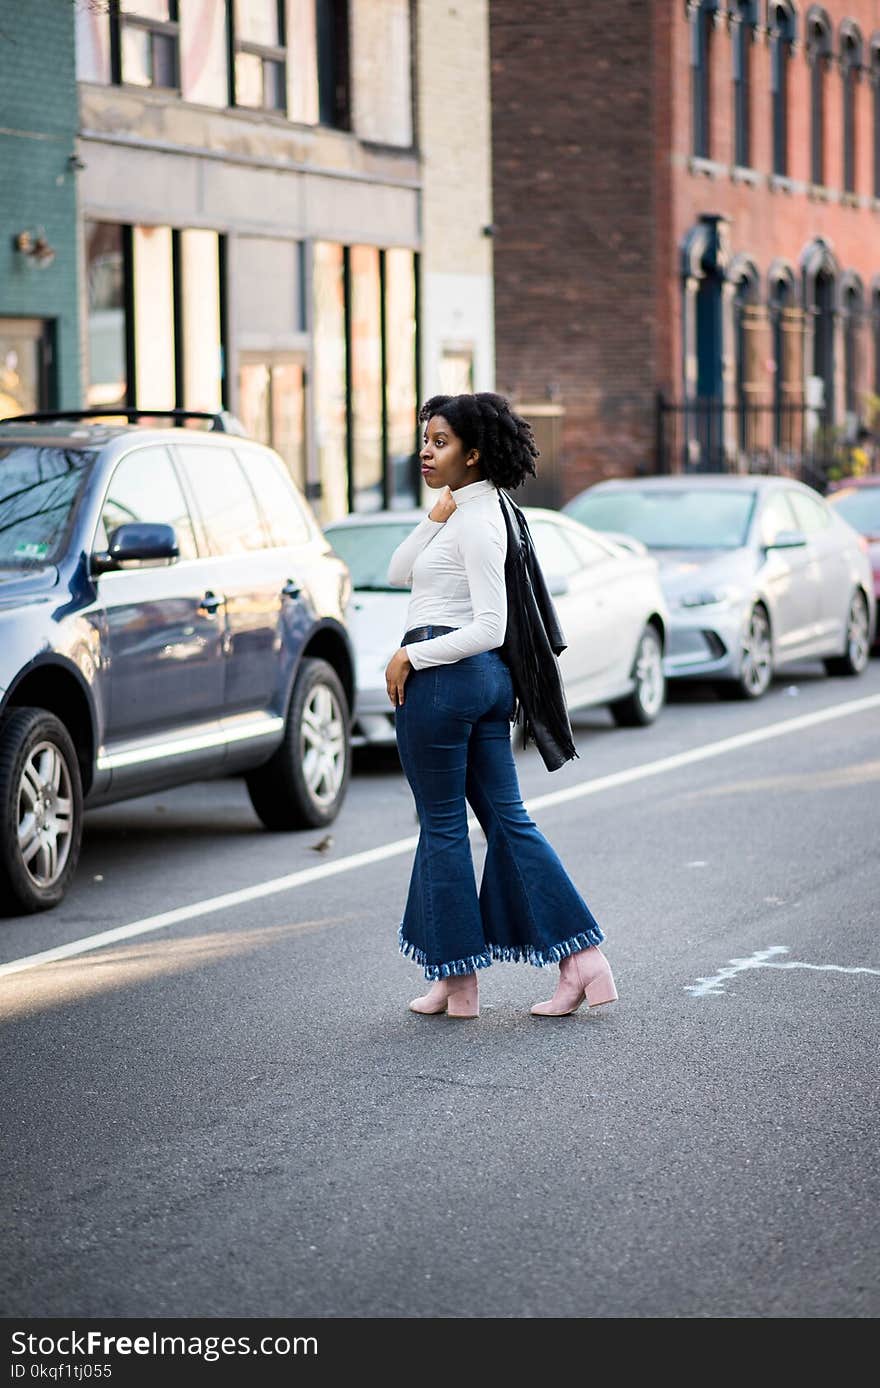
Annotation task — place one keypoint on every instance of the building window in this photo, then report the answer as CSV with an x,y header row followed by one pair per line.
x,y
144,43
782,37
744,20
875,85
154,319
401,386
106,296
819,57
204,53
749,329
365,378
331,376
786,325
850,67
852,303
382,110
334,97
821,274
875,327
702,18
259,58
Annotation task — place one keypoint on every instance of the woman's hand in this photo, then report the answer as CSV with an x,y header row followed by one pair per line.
x,y
443,507
396,675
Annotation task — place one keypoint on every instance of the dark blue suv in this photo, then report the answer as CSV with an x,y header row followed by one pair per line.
x,y
169,610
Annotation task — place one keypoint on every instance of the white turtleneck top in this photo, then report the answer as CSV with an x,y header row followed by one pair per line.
x,y
456,571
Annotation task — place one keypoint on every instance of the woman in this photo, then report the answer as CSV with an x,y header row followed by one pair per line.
x,y
454,701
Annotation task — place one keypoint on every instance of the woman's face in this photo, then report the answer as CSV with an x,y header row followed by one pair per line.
x,y
444,463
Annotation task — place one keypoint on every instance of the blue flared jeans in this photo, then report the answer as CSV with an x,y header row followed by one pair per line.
x,y
453,737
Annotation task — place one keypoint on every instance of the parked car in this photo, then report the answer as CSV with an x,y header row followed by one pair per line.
x,y
169,611
757,572
857,500
608,599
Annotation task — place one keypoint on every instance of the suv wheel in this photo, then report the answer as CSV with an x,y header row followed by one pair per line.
x,y
41,811
303,785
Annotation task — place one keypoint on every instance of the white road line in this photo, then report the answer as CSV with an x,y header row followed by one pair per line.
x,y
391,850
765,959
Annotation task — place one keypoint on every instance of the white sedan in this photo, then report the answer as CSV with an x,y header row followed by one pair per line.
x,y
607,595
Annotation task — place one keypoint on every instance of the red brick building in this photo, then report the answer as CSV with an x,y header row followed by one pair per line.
x,y
687,206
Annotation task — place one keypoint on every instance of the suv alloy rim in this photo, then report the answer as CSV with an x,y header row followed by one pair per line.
x,y
322,744
857,633
45,814
649,673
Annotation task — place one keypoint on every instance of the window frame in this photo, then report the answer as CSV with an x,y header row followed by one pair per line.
x,y
819,56
267,53
170,28
782,36
744,19
851,56
198,538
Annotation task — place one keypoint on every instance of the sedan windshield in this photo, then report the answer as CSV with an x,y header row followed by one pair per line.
x,y
367,550
39,488
860,506
680,518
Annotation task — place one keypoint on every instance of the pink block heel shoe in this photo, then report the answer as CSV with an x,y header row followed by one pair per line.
x,y
464,996
585,976
434,1000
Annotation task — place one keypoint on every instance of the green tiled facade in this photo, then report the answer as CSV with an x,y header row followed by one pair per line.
x,y
38,123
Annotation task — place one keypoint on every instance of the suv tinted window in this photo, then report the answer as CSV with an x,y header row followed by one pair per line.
x,y
811,515
144,487
279,502
39,489
225,500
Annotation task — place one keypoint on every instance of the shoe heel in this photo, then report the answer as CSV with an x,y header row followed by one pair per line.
x,y
464,997
600,988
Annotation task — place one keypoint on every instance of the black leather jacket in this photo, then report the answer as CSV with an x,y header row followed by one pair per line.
x,y
532,643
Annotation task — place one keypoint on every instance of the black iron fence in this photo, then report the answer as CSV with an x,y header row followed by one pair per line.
x,y
789,439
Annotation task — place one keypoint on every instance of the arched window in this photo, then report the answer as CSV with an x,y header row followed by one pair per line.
x,y
819,57
782,33
852,307
701,16
821,274
850,68
875,332
875,82
786,327
749,320
744,18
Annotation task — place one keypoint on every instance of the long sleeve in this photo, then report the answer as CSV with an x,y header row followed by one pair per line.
x,y
482,550
402,560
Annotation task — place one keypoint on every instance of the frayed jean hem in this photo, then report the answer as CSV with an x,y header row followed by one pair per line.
x,y
508,954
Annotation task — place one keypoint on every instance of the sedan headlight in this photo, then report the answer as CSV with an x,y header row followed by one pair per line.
x,y
708,597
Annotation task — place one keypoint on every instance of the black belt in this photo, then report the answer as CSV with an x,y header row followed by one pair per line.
x,y
424,633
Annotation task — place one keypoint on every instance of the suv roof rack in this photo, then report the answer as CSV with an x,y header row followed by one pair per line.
x,y
222,422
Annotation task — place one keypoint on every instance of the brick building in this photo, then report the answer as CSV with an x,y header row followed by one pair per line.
x,y
687,204
39,310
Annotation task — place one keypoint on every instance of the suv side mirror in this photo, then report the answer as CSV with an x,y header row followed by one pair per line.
x,y
788,539
137,540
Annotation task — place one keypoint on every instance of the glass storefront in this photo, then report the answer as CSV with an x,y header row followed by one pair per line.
x,y
105,291
400,376
366,378
331,432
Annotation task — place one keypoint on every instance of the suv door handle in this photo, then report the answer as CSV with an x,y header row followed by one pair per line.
x,y
211,603
291,589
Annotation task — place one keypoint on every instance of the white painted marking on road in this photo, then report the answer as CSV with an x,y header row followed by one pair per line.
x,y
764,959
391,850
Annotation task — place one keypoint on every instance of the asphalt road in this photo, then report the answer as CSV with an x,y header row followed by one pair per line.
x,y
235,1114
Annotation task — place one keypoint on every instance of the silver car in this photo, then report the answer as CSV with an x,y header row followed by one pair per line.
x,y
607,596
757,572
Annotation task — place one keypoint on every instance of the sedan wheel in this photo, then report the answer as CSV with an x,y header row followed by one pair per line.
x,y
858,642
756,659
642,706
